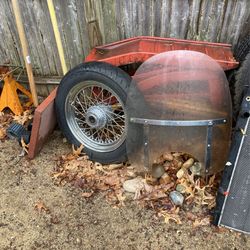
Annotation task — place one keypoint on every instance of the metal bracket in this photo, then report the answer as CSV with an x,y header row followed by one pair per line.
x,y
208,151
146,145
179,123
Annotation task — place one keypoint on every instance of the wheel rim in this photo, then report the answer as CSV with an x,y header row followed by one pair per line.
x,y
96,116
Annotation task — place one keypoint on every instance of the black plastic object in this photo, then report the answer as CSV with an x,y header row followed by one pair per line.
x,y
18,131
233,198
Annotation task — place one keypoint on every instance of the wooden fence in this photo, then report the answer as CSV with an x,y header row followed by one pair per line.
x,y
84,24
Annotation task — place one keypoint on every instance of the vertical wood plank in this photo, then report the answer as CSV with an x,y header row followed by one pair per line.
x,y
82,30
109,21
166,17
47,36
10,41
93,24
179,19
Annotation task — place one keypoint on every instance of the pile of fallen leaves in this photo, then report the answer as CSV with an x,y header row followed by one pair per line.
x,y
150,192
92,177
6,118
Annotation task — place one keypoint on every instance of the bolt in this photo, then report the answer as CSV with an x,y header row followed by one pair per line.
x,y
228,163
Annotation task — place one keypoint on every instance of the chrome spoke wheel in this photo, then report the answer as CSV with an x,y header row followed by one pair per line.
x,y
96,116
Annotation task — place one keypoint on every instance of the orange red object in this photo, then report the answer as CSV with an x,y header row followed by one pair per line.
x,y
9,96
125,52
139,49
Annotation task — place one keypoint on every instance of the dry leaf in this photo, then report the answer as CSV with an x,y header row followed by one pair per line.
x,y
190,178
2,133
112,180
39,206
202,222
58,175
115,166
130,174
187,188
78,151
211,181
22,119
150,179
168,157
165,179
87,194
121,198
24,145
191,216
99,167
172,215
72,165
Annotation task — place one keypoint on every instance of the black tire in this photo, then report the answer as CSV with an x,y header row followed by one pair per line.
x,y
242,82
110,76
239,78
242,49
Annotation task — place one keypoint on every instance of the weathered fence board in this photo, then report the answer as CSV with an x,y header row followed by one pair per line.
x,y
83,24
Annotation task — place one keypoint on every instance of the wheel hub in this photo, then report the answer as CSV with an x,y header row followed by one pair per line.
x,y
97,116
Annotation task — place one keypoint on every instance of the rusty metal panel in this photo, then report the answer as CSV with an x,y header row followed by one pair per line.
x,y
43,124
139,49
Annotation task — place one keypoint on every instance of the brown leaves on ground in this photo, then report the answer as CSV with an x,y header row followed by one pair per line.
x,y
24,146
171,215
5,120
91,177
40,207
23,118
2,133
77,169
202,221
77,152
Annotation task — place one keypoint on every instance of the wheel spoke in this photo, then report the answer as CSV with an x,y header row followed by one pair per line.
x,y
80,103
112,132
77,110
98,100
108,98
115,122
121,117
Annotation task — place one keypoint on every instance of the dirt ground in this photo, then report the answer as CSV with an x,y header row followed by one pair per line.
x,y
73,222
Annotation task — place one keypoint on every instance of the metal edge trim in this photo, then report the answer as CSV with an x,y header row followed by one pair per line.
x,y
183,123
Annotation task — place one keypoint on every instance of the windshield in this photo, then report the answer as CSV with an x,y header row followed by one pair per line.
x,y
179,85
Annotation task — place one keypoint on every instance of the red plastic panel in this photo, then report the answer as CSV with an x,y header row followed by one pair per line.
x,y
43,124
